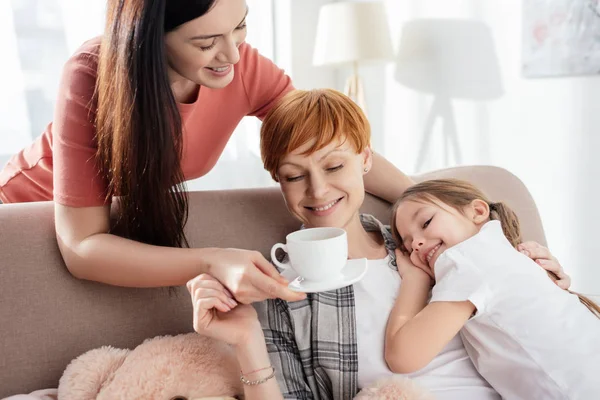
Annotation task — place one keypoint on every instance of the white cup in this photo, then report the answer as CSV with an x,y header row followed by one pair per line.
x,y
316,254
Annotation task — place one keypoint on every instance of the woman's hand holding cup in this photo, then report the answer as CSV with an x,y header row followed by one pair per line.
x,y
248,276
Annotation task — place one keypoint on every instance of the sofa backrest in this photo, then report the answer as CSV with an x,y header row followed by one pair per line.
x,y
47,317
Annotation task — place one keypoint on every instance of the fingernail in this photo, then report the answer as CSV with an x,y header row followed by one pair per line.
x,y
525,252
233,302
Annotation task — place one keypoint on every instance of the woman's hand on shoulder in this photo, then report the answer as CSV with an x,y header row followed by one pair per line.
x,y
544,258
408,270
218,315
248,276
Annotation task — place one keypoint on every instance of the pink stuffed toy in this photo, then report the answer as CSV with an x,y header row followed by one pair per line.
x,y
182,367
188,366
394,388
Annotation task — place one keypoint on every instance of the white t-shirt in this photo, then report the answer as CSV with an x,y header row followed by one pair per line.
x,y
450,376
529,338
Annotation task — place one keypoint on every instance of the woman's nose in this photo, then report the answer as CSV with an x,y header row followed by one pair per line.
x,y
230,53
318,187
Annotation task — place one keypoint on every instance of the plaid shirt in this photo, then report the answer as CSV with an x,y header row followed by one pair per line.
x,y
312,343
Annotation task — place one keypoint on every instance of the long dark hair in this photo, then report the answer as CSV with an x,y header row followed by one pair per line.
x,y
139,129
458,194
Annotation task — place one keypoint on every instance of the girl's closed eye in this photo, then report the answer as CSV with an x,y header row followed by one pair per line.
x,y
426,224
240,27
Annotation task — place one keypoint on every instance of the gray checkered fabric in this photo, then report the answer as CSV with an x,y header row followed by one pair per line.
x,y
312,343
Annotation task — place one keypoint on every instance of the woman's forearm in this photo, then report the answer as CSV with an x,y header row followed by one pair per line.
x,y
385,180
254,356
118,261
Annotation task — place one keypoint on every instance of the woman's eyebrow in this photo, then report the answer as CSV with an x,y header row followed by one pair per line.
x,y
337,150
290,163
204,37
320,159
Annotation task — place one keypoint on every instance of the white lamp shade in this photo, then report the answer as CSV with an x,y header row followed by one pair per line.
x,y
454,58
352,31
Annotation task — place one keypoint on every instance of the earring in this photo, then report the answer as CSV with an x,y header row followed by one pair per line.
x,y
366,169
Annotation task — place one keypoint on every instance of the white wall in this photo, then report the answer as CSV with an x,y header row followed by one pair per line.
x,y
584,212
544,131
295,31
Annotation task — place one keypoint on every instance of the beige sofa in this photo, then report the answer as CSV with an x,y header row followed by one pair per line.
x,y
48,317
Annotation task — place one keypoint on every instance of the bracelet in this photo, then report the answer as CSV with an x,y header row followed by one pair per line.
x,y
255,371
245,381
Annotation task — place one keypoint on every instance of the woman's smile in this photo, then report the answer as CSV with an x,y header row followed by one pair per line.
x,y
324,209
220,71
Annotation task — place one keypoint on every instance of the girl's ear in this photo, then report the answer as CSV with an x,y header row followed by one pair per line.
x,y
367,155
480,211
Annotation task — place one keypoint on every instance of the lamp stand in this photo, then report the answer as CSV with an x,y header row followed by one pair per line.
x,y
441,107
354,89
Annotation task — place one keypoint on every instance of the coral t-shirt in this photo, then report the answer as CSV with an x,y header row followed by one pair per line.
x,y
60,165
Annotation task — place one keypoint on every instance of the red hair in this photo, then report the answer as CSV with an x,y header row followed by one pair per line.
x,y
322,115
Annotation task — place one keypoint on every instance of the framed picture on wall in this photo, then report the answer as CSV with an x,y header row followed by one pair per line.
x,y
561,38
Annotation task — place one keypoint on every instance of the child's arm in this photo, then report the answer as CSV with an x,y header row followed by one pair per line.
x,y
417,332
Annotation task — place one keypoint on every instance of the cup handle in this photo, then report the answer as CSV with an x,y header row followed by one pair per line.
x,y
274,259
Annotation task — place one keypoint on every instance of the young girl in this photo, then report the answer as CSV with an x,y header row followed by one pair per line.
x,y
526,336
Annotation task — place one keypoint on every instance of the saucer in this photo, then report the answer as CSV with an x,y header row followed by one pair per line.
x,y
351,273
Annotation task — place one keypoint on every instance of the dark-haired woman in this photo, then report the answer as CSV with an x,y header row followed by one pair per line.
x,y
147,106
